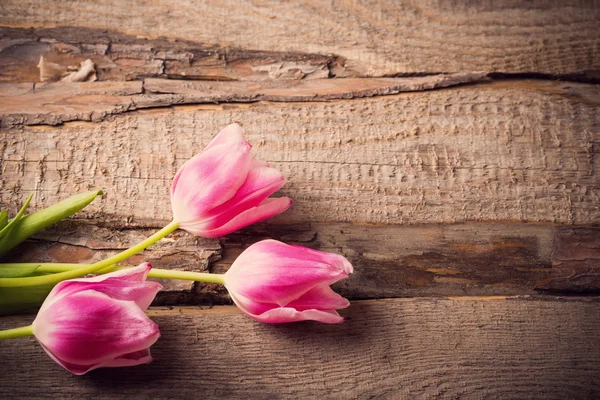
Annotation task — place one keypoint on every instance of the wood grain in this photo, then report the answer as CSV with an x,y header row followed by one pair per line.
x,y
55,103
389,260
575,261
376,38
507,151
428,260
415,348
121,57
71,242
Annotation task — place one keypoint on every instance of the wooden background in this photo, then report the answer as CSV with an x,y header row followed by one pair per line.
x,y
450,151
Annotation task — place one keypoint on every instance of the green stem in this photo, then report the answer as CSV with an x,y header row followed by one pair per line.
x,y
16,332
92,268
154,272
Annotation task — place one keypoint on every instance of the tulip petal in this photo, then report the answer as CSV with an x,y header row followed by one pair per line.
x,y
251,307
126,284
287,314
273,272
260,183
336,260
127,360
89,327
321,298
208,180
142,293
229,135
267,209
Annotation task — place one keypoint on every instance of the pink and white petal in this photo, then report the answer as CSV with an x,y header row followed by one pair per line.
x,y
260,184
284,250
272,314
250,306
320,298
127,360
135,274
273,272
267,209
334,259
89,327
209,179
75,369
286,314
142,293
232,133
261,179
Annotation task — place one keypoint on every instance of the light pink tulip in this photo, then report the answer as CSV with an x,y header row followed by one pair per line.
x,y
224,189
97,322
275,282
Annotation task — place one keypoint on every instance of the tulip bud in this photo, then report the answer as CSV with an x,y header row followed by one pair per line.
x,y
224,189
275,282
98,322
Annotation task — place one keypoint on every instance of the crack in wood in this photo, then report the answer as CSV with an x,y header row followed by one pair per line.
x,y
56,103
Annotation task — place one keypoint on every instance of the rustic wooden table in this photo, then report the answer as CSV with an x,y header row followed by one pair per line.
x,y
449,151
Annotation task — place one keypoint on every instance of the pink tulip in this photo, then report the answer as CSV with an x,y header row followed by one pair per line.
x,y
224,189
98,322
275,282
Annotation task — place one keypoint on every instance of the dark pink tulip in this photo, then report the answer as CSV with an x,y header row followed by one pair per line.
x,y
275,282
98,322
224,189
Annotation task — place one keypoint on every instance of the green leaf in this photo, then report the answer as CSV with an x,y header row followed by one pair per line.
x,y
13,222
20,299
33,223
3,219
16,272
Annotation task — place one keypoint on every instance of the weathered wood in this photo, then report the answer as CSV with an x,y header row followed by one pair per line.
x,y
413,348
121,57
55,103
575,261
401,261
86,243
389,260
376,38
508,151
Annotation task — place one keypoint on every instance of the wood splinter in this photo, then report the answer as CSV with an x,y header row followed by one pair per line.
x,y
52,72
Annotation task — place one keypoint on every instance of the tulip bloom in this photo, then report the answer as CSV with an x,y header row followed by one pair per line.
x,y
275,282
97,322
224,189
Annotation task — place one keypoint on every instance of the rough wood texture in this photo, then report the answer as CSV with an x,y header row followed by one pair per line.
x,y
121,57
376,38
55,103
451,348
85,243
389,260
516,150
575,261
428,260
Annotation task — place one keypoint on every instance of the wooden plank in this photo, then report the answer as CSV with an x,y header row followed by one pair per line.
x,y
390,260
429,260
121,57
86,243
575,261
507,151
375,38
55,103
413,348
